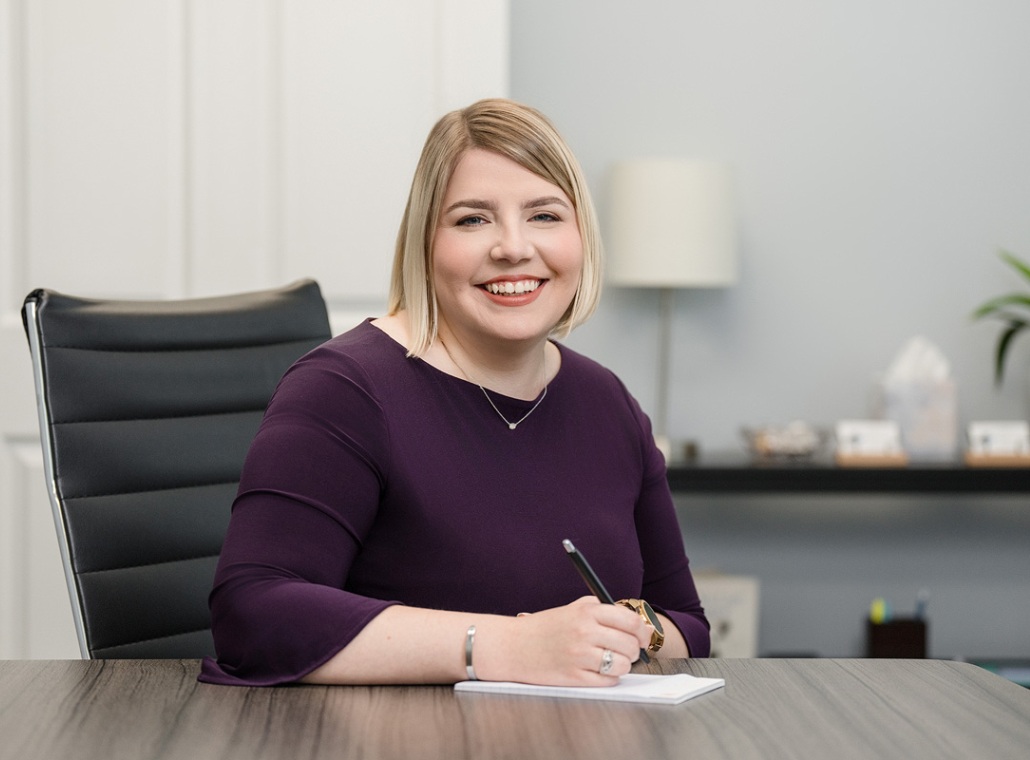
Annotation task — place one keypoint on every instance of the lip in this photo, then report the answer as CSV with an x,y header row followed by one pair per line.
x,y
513,299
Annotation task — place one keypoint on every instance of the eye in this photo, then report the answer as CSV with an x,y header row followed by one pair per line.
x,y
545,216
470,221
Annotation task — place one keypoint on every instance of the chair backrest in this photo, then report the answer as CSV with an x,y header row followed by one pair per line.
x,y
146,412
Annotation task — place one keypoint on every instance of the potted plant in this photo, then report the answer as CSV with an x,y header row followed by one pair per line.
x,y
1013,309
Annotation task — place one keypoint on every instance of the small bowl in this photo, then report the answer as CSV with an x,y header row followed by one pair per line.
x,y
796,440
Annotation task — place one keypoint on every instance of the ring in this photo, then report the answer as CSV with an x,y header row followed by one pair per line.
x,y
607,660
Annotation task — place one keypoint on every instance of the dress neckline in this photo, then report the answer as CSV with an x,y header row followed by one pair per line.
x,y
466,382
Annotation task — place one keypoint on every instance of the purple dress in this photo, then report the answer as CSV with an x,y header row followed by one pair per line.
x,y
376,479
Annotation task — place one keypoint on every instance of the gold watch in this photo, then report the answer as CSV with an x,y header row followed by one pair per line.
x,y
643,609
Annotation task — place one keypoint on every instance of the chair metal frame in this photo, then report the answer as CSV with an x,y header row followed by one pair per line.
x,y
36,351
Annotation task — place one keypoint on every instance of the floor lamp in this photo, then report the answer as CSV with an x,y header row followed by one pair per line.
x,y
671,227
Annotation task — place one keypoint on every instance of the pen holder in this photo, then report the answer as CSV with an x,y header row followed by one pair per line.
x,y
903,638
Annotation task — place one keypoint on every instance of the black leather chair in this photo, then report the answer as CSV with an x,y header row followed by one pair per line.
x,y
146,412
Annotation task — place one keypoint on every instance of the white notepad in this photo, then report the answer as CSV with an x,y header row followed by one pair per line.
x,y
633,687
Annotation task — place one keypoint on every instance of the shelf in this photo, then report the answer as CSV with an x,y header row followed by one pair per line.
x,y
731,472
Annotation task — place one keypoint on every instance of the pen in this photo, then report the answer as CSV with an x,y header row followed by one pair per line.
x,y
593,582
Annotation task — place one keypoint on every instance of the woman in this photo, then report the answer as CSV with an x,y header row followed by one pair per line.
x,y
401,513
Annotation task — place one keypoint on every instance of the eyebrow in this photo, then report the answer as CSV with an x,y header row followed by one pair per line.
x,y
549,200
475,203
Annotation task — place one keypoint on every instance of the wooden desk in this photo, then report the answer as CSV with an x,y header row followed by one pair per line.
x,y
729,472
143,709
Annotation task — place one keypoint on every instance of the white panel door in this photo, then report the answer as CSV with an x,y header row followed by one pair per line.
x,y
177,148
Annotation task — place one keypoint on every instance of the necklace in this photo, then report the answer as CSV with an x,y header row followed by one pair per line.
x,y
511,425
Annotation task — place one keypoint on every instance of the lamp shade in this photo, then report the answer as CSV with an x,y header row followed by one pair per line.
x,y
671,224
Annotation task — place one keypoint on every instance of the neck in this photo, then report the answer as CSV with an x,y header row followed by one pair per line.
x,y
519,372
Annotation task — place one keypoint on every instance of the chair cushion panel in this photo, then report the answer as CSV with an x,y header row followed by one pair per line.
x,y
99,458
260,318
148,602
104,385
167,446
182,646
126,530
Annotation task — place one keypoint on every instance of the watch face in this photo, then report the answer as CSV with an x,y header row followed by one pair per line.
x,y
642,608
652,617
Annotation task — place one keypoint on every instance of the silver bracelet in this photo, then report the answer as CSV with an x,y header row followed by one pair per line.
x,y
470,639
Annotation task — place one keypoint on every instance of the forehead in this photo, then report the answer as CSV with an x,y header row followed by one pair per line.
x,y
479,173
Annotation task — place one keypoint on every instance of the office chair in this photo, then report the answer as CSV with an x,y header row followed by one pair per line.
x,y
146,412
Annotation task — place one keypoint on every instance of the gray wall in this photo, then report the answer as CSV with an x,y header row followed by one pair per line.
x,y
882,156
821,561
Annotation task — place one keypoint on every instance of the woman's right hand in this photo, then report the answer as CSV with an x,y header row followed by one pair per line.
x,y
562,646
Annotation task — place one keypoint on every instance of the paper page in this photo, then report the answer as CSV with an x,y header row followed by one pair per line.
x,y
633,687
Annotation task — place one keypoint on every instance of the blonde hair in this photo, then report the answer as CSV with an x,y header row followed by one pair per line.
x,y
528,138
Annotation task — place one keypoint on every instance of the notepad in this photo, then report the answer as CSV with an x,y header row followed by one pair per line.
x,y
633,687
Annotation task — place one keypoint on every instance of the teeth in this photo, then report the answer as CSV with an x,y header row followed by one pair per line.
x,y
512,288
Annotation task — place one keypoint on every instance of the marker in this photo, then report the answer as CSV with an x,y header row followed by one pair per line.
x,y
922,599
593,582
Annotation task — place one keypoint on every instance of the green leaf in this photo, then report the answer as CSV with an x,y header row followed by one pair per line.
x,y
1016,263
1010,310
990,308
1004,341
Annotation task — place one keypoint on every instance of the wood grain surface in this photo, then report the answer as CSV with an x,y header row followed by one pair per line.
x,y
771,708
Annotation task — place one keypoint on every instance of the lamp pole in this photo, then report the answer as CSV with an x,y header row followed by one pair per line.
x,y
661,433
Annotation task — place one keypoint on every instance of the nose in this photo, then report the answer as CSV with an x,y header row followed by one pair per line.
x,y
512,244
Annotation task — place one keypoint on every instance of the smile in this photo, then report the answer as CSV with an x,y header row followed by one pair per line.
x,y
512,288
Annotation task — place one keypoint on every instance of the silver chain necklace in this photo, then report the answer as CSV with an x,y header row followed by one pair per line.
x,y
511,425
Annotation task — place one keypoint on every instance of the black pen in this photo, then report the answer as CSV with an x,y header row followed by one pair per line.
x,y
593,582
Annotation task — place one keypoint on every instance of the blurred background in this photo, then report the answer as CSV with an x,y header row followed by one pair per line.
x,y
881,159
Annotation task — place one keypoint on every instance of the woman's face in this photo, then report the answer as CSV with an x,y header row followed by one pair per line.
x,y
507,253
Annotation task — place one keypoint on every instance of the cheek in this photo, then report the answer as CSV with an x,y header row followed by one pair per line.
x,y
448,265
571,257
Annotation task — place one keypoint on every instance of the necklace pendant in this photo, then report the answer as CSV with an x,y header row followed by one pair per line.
x,y
511,425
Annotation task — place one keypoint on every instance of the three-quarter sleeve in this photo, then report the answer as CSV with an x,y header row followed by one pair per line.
x,y
668,584
308,496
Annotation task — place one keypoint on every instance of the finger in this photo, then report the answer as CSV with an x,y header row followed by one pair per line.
x,y
623,619
623,644
588,650
636,629
624,664
611,663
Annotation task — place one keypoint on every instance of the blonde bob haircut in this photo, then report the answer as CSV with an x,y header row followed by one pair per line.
x,y
528,138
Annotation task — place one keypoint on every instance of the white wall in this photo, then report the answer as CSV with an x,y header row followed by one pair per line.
x,y
881,157
180,148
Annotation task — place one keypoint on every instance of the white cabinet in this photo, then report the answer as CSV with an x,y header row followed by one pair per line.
x,y
177,148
